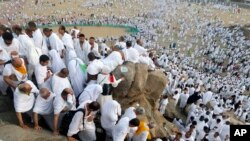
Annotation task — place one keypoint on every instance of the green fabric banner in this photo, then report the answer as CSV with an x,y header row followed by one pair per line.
x,y
129,29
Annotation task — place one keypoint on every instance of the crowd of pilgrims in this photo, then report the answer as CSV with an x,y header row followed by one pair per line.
x,y
73,79
68,81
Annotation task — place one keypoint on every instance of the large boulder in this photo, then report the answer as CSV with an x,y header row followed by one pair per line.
x,y
142,87
124,86
140,79
155,85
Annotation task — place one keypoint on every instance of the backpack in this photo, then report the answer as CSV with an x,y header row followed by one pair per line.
x,y
67,120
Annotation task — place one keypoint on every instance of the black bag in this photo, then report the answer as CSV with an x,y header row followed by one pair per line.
x,y
67,120
107,89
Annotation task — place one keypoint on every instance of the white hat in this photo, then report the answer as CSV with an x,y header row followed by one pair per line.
x,y
92,69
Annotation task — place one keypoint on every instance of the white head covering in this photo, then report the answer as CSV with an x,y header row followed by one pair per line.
x,y
72,55
56,62
95,67
77,72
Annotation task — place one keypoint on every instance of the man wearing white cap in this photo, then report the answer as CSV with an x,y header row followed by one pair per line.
x,y
94,68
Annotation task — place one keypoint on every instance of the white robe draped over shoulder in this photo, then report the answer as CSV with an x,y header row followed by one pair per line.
x,y
58,84
91,92
110,112
44,106
56,61
24,102
77,73
113,60
121,129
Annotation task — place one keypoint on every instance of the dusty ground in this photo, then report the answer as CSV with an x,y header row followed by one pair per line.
x,y
9,131
97,31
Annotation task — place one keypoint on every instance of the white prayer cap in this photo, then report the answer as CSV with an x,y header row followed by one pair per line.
x,y
92,70
158,139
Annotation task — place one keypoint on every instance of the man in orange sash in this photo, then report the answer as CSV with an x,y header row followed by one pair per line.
x,y
142,133
15,72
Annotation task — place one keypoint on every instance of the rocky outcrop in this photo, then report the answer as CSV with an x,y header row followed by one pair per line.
x,y
142,87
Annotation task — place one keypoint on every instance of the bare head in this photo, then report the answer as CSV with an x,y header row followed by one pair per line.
x,y
91,40
62,29
82,37
47,32
121,39
66,92
32,25
17,29
64,73
44,92
91,56
93,106
25,88
129,44
29,32
139,42
7,38
17,62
